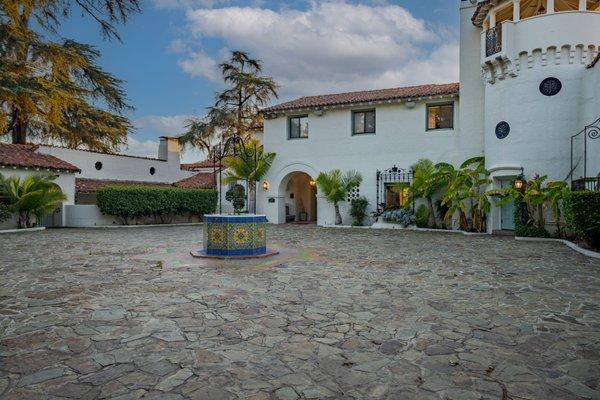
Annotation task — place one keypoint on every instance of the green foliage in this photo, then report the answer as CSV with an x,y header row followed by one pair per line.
x,y
52,90
427,181
250,165
335,187
465,193
237,108
402,216
5,212
532,200
422,216
34,196
582,211
129,202
237,196
358,210
523,222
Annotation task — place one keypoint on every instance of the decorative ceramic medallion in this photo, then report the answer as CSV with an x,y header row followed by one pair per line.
x,y
502,130
550,86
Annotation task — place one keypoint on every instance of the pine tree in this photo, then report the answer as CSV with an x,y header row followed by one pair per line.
x,y
55,91
237,108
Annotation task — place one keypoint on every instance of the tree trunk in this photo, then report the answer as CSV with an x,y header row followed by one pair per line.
x,y
463,222
431,222
541,219
19,129
338,216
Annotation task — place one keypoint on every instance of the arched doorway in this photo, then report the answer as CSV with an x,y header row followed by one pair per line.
x,y
299,193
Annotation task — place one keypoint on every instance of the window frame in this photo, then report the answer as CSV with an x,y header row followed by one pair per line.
x,y
428,105
364,111
289,130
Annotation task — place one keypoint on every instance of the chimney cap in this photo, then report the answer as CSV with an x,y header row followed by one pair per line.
x,y
168,137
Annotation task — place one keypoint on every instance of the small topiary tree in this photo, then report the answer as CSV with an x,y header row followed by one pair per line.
x,y
237,196
358,210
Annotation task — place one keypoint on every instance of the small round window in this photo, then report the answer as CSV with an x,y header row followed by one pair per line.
x,y
152,170
550,86
502,130
98,165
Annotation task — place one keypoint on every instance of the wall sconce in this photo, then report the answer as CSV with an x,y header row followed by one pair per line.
x,y
312,183
265,185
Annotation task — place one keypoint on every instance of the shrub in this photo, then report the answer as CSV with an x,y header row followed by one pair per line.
x,y
582,211
32,197
358,210
237,196
402,216
5,212
422,216
128,202
523,223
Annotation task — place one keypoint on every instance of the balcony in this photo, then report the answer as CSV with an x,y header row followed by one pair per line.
x,y
569,37
591,184
493,41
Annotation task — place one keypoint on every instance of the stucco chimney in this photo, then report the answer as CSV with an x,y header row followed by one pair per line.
x,y
169,149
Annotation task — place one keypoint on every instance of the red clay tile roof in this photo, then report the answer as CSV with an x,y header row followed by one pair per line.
x,y
26,156
403,93
87,186
481,12
208,163
596,60
202,180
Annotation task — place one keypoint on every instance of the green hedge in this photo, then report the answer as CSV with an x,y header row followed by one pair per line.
x,y
582,211
128,202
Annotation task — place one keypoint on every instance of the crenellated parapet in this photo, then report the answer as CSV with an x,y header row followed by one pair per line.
x,y
565,38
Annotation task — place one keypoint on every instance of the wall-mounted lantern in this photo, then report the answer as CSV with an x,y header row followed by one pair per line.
x,y
265,185
312,183
519,182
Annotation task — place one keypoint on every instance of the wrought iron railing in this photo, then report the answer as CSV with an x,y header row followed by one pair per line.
x,y
580,154
389,177
592,184
493,40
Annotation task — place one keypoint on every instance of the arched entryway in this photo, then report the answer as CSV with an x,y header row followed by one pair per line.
x,y
299,193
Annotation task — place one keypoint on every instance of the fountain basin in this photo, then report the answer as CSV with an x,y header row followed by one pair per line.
x,y
234,236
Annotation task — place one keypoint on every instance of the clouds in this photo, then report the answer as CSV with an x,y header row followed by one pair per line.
x,y
328,47
163,125
160,125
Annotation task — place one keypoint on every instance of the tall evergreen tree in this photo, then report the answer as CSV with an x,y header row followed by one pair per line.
x,y
54,90
237,108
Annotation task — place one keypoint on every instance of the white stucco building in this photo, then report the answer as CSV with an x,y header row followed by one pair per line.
x,y
79,173
529,81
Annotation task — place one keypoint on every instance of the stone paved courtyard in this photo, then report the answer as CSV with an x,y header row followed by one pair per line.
x,y
340,313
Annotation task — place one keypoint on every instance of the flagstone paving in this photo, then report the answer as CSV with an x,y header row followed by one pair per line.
x,y
340,313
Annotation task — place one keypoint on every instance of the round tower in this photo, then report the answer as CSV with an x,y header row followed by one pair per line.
x,y
534,58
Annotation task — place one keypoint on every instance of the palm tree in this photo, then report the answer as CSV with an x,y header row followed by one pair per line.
x,y
335,187
250,164
35,195
426,182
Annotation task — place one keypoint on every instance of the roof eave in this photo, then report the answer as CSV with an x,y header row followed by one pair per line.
x,y
275,111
